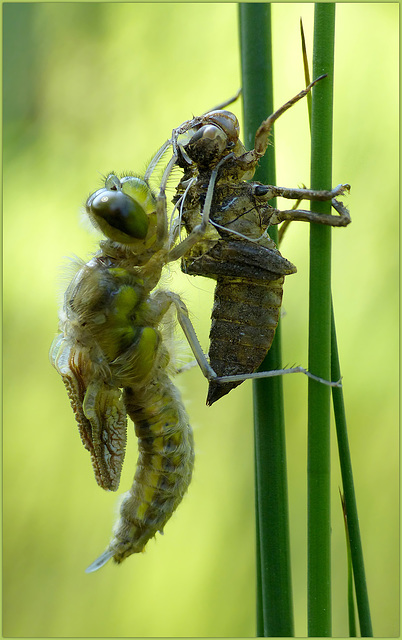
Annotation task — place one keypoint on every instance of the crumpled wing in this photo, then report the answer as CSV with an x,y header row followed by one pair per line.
x,y
98,408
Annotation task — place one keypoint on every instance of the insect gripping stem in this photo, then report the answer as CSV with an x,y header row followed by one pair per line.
x,y
111,351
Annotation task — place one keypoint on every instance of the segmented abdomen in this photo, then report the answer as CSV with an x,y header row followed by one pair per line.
x,y
244,318
164,467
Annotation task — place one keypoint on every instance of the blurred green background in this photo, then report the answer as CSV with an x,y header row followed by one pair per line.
x,y
93,87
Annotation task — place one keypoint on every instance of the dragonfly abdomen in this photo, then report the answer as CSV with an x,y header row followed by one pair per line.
x,y
164,467
244,318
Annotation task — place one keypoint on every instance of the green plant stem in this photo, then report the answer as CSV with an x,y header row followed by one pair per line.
x,y
356,549
351,599
274,590
319,505
346,469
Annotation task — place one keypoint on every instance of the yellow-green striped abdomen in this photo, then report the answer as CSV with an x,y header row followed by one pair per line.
x,y
164,467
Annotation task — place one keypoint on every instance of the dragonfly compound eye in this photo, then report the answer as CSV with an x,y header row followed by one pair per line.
x,y
207,143
227,121
118,216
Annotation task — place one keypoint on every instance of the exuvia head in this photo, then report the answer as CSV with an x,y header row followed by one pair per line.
x,y
216,134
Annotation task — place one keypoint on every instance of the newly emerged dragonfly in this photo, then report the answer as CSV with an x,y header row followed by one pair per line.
x,y
114,362
235,249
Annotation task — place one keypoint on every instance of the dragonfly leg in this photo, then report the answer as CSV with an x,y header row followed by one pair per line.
x,y
262,135
166,298
277,372
199,230
162,301
161,207
302,215
158,155
263,132
306,194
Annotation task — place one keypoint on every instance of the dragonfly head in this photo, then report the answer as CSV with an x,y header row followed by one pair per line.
x,y
121,208
215,135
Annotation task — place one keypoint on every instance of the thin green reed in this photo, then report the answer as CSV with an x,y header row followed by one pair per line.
x,y
350,504
319,504
274,593
355,562
274,587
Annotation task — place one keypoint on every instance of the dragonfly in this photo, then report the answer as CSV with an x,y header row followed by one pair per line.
x,y
114,361
111,350
218,199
